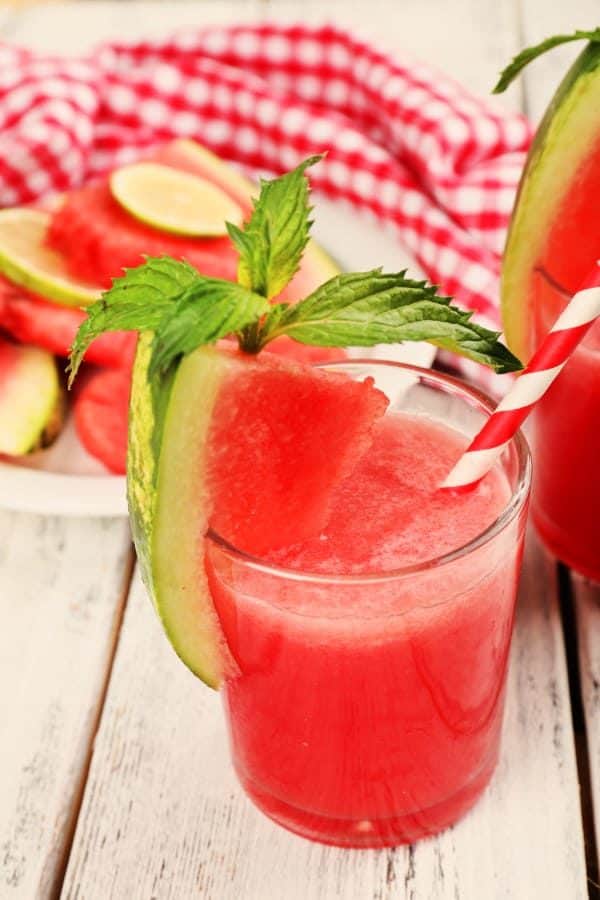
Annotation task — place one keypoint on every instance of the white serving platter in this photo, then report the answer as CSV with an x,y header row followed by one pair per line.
x,y
65,480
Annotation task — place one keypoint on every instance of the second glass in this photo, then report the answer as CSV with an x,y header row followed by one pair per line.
x,y
566,489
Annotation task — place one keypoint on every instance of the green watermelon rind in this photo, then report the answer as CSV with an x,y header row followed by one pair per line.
x,y
569,128
35,406
167,532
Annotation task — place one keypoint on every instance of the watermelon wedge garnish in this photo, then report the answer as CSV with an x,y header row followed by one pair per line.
x,y
255,455
249,444
290,349
31,399
555,221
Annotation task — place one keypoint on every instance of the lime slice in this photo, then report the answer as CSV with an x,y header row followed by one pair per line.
x,y
26,260
174,201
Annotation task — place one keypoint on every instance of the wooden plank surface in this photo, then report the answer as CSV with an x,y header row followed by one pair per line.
x,y
162,815
62,589
587,606
62,585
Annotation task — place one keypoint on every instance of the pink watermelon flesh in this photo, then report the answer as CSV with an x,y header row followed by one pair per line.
x,y
100,239
286,347
282,436
573,239
10,356
101,412
32,320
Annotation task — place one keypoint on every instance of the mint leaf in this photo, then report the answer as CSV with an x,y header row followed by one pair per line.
x,y
272,242
183,309
366,308
171,299
136,302
210,309
530,53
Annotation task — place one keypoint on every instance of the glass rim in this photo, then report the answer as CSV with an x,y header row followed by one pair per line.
x,y
514,505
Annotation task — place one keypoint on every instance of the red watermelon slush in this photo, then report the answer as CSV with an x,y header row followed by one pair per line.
x,y
372,658
566,494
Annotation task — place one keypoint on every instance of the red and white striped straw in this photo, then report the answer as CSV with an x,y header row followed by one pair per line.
x,y
569,329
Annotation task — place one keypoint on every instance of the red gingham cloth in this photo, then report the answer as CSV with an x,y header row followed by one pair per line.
x,y
405,142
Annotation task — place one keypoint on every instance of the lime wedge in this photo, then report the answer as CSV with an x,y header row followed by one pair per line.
x,y
26,260
174,201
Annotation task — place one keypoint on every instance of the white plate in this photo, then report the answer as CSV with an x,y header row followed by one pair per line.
x,y
65,480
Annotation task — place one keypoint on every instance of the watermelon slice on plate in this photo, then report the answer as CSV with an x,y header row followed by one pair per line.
x,y
101,410
68,481
100,238
33,320
31,399
255,457
27,261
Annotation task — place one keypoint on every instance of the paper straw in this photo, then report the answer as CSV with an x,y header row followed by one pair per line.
x,y
553,353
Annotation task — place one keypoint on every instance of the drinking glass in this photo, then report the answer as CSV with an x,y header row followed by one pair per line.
x,y
374,719
566,439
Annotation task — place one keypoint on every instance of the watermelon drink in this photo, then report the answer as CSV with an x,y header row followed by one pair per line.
x,y
293,535
566,495
367,702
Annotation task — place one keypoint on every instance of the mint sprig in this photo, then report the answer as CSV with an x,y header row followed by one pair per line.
x,y
273,240
522,59
184,309
365,308
208,310
137,301
171,299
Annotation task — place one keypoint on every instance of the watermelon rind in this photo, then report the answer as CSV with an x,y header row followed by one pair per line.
x,y
567,133
165,466
31,400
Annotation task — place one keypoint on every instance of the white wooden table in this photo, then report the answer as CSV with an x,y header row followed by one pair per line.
x,y
114,778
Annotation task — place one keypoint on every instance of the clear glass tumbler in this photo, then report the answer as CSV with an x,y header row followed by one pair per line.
x,y
566,423
375,719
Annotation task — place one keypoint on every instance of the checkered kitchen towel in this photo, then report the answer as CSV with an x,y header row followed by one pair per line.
x,y
405,142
